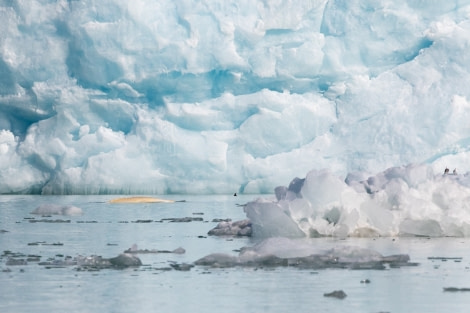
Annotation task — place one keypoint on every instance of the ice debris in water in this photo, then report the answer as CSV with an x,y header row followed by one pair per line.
x,y
340,294
55,209
95,262
400,201
455,289
125,260
273,252
135,250
229,228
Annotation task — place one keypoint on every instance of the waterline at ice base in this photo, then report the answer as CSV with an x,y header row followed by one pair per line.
x,y
400,201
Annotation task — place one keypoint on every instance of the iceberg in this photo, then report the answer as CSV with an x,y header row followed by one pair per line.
x,y
401,201
218,97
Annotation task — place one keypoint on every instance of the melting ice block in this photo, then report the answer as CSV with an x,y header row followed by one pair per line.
x,y
269,219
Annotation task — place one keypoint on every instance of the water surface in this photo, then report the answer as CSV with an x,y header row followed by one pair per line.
x,y
108,229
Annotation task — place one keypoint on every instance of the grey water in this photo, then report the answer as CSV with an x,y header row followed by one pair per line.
x,y
107,230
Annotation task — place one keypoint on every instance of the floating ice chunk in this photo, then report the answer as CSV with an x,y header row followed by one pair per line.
x,y
14,261
92,261
95,262
349,254
181,267
340,294
280,247
455,289
218,260
55,209
135,250
304,254
269,219
238,228
125,260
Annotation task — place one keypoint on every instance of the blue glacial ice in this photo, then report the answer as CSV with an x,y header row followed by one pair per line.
x,y
155,97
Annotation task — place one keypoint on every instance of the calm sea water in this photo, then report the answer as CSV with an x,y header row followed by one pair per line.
x,y
109,229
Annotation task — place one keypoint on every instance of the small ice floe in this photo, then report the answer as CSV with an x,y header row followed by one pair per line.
x,y
59,262
455,289
16,258
182,219
275,252
229,228
135,250
48,221
43,243
94,262
125,260
278,252
15,261
55,209
182,267
444,259
339,294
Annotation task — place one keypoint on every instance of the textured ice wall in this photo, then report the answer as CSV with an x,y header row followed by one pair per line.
x,y
401,201
164,96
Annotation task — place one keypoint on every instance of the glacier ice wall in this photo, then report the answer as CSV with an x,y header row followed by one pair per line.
x,y
184,96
